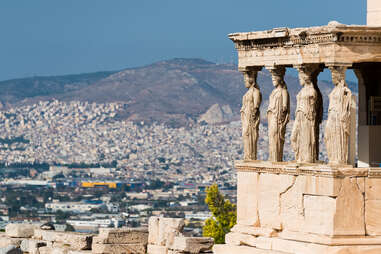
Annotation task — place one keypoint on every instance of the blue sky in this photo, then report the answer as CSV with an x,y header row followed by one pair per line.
x,y
53,37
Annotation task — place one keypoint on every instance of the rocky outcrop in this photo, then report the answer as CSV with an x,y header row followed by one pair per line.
x,y
217,114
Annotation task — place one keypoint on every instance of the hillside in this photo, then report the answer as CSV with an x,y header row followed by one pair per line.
x,y
15,91
175,91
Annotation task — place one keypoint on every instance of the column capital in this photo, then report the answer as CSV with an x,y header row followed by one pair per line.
x,y
343,65
338,73
275,67
278,70
310,68
250,69
308,65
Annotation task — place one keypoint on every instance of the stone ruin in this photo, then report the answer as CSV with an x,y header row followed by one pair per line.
x,y
307,206
165,236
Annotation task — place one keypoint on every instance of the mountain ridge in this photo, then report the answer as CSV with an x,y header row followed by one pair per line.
x,y
175,91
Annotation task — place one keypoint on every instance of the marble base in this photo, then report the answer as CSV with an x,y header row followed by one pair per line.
x,y
315,208
280,246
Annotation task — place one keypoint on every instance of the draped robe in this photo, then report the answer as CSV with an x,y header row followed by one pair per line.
x,y
278,115
303,136
250,122
338,124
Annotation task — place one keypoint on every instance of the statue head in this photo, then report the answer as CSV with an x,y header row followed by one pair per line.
x,y
338,75
250,78
305,76
277,75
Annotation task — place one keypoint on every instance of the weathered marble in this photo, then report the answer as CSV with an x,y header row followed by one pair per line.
x,y
250,117
20,230
77,241
192,245
122,236
303,136
166,236
329,44
339,118
374,13
307,206
278,114
313,208
133,248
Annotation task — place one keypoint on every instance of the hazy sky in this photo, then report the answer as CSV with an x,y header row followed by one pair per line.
x,y
50,37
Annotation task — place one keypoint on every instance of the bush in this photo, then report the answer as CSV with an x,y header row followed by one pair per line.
x,y
224,215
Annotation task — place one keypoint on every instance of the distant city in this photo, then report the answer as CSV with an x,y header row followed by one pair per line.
x,y
93,170
76,152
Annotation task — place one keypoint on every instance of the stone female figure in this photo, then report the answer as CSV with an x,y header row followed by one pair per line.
x,y
338,123
303,136
251,102
278,115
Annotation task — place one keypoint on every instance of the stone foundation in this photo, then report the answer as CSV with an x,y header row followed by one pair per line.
x,y
316,208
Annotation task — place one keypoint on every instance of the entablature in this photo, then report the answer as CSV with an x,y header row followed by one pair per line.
x,y
332,44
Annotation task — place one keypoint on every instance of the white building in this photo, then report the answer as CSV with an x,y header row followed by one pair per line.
x,y
76,207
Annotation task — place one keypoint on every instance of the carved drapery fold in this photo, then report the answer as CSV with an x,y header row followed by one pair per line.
x,y
339,118
304,140
278,114
250,115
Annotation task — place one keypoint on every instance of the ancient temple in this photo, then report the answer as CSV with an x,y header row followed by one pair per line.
x,y
306,206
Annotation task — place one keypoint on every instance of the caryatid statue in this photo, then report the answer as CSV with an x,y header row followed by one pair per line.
x,y
319,105
278,114
251,102
338,123
303,136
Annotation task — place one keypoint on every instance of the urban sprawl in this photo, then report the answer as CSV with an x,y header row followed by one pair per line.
x,y
77,163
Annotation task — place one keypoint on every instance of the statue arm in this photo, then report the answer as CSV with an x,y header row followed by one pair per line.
x,y
285,99
243,105
257,98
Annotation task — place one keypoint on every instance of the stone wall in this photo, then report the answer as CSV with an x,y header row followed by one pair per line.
x,y
314,209
374,13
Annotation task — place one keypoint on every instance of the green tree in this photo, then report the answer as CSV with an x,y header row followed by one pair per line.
x,y
62,216
224,215
69,228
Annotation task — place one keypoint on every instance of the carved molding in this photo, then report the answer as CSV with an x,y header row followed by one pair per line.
x,y
313,169
304,39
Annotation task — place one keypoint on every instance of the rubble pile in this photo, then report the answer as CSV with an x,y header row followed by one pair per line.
x,y
164,236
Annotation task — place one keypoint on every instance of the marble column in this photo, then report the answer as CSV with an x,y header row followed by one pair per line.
x,y
338,128
303,137
250,115
319,105
278,113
